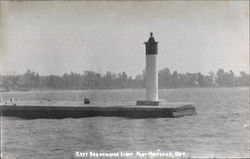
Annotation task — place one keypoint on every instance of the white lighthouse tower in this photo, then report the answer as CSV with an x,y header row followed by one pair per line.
x,y
151,73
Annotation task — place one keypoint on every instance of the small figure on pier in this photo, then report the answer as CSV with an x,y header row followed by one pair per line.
x,y
86,100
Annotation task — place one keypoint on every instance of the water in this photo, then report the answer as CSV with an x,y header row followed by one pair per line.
x,y
220,129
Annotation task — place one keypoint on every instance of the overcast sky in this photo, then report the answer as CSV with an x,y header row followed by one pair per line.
x,y
58,37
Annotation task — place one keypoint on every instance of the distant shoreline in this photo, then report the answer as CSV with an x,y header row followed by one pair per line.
x,y
118,89
91,80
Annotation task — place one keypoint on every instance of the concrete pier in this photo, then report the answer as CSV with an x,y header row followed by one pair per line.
x,y
60,110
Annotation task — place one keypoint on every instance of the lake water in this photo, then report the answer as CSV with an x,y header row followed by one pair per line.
x,y
220,129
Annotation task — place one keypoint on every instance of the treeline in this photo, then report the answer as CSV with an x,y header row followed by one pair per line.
x,y
93,80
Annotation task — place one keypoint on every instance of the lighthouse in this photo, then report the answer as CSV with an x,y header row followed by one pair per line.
x,y
151,73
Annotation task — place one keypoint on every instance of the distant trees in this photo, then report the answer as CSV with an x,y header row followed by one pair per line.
x,y
243,80
94,80
165,78
228,79
31,79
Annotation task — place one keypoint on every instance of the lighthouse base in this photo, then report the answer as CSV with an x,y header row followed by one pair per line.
x,y
149,103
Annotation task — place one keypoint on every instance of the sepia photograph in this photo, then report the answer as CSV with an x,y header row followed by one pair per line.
x,y
125,79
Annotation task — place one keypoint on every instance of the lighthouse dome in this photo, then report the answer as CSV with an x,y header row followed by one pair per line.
x,y
151,38
151,46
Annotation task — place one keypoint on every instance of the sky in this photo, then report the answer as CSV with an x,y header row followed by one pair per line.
x,y
57,37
